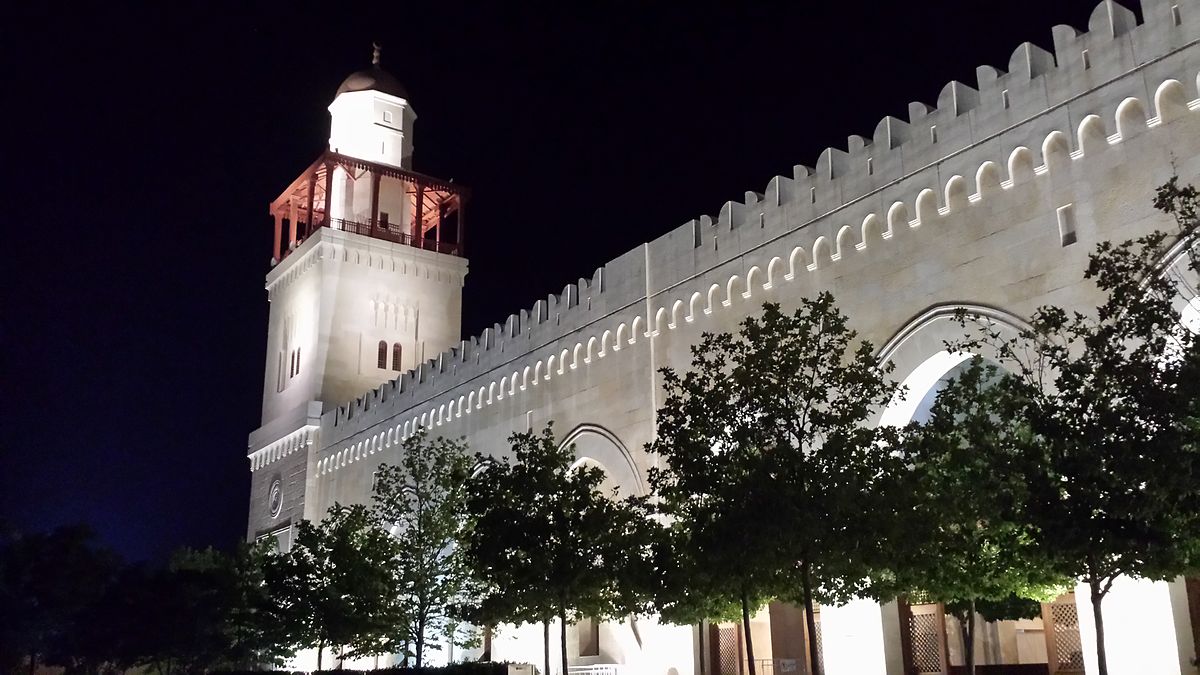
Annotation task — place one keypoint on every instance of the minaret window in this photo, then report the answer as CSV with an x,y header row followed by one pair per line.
x,y
396,353
383,354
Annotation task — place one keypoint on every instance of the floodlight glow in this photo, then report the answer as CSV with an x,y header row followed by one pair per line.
x,y
918,383
1138,628
852,639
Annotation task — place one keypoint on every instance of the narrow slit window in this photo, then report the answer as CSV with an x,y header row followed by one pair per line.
x,y
1004,98
870,166
397,352
1066,224
383,354
1087,60
812,195
1175,17
933,133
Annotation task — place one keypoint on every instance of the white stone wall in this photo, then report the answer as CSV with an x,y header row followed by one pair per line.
x,y
372,126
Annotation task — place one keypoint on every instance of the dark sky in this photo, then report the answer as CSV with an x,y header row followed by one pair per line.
x,y
142,147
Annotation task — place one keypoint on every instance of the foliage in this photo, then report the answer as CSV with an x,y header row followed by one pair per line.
x,y
545,541
337,587
967,541
771,475
237,614
424,498
467,668
1109,399
70,603
48,584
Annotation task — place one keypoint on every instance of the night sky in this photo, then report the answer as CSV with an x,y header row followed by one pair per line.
x,y
143,146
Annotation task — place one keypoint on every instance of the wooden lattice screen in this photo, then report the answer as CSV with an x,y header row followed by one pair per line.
x,y
926,649
820,644
727,650
1064,649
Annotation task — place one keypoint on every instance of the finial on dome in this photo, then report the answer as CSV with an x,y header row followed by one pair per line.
x,y
375,55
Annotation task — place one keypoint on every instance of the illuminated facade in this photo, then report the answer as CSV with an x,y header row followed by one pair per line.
x,y
989,201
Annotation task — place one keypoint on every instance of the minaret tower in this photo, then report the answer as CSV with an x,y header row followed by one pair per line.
x,y
366,282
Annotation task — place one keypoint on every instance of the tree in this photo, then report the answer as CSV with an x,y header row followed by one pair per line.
x,y
225,604
48,583
337,586
545,541
966,541
424,499
1110,402
770,463
719,559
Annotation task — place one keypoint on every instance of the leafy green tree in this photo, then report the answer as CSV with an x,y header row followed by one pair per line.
x,y
1110,402
424,499
227,607
770,465
48,583
967,541
545,541
337,586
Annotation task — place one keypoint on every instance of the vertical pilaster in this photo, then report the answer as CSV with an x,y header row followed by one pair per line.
x,y
419,216
275,253
312,190
294,215
375,177
292,238
461,234
329,169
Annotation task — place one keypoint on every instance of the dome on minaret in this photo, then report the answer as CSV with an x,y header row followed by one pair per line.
x,y
374,78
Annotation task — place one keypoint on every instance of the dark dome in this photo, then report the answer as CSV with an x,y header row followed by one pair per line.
x,y
373,79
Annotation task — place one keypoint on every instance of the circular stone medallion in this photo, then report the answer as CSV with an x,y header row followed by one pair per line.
x,y
275,498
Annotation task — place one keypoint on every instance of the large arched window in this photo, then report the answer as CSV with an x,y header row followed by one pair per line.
x,y
396,353
383,349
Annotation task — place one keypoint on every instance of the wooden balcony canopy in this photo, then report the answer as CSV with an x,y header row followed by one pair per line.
x,y
432,213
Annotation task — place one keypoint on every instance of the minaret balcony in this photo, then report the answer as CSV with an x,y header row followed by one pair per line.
x,y
373,200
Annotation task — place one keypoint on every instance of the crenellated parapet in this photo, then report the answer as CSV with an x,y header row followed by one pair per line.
x,y
1050,115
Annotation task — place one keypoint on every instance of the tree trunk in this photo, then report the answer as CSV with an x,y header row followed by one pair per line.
x,y
746,633
969,645
487,643
420,655
320,649
562,616
1101,657
546,644
810,619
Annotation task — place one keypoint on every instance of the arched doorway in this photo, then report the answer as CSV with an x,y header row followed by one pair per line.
x,y
930,641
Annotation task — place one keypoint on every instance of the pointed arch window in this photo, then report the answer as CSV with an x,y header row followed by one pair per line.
x,y
383,354
396,354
